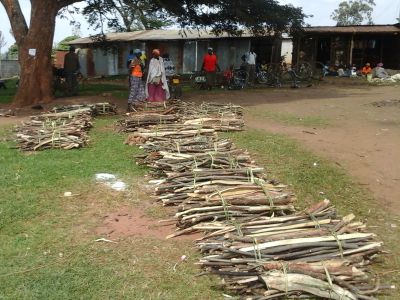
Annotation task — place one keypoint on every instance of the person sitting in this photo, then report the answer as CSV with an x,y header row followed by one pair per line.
x,y
366,69
380,72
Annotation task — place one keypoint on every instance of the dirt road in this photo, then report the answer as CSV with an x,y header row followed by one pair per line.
x,y
361,137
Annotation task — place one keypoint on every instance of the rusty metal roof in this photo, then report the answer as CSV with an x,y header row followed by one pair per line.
x,y
157,34
354,29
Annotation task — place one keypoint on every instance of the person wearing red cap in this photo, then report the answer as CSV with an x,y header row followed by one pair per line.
x,y
210,66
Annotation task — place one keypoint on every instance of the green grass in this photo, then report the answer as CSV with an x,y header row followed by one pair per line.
x,y
6,96
287,118
307,175
47,249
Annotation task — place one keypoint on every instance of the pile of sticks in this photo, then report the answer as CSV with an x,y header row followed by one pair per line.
x,y
60,133
96,109
254,238
183,116
65,128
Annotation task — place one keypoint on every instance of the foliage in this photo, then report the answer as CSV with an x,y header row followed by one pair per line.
x,y
127,15
2,40
259,16
63,45
353,12
12,52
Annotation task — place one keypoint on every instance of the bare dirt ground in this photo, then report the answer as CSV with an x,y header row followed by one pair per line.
x,y
362,134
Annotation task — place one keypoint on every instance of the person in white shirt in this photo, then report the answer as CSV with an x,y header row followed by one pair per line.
x,y
251,58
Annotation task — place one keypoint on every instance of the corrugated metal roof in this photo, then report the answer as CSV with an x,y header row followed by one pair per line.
x,y
354,29
157,34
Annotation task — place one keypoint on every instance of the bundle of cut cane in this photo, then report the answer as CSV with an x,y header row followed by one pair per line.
x,y
135,121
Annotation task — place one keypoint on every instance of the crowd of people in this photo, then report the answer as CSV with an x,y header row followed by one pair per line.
x,y
378,71
149,82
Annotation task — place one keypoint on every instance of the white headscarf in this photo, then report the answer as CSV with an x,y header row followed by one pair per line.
x,y
156,69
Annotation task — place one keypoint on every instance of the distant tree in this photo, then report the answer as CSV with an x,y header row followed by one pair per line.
x,y
12,52
2,41
353,12
126,15
63,45
2,44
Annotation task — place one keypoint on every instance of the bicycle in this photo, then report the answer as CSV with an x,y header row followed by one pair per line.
x,y
236,79
197,80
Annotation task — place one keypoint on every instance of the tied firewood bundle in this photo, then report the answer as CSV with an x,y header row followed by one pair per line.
x,y
96,109
173,131
162,108
179,162
64,133
195,144
192,110
310,253
135,121
213,187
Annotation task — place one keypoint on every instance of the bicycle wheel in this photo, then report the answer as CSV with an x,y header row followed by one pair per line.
x,y
303,71
319,71
241,77
262,77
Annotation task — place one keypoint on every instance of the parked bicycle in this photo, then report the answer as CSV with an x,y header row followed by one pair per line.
x,y
197,80
236,79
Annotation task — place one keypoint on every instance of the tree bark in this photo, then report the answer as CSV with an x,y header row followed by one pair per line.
x,y
36,77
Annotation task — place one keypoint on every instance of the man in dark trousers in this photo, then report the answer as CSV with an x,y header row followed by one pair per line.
x,y
71,68
2,84
210,66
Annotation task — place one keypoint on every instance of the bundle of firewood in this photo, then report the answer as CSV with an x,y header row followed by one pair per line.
x,y
254,238
188,115
96,109
135,121
310,253
65,128
62,134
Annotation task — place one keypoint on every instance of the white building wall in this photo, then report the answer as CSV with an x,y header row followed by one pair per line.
x,y
287,50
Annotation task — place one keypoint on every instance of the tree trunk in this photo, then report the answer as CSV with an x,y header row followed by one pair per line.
x,y
36,77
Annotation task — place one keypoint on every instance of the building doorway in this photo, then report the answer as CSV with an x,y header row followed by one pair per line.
x,y
324,50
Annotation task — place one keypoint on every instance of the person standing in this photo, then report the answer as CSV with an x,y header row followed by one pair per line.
x,y
136,85
251,58
156,84
210,66
71,68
